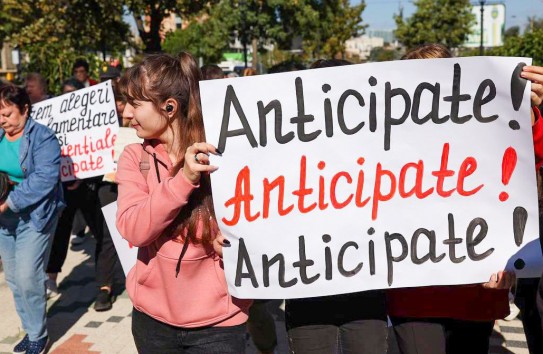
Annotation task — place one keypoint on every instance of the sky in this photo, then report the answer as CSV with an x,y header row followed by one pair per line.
x,y
378,14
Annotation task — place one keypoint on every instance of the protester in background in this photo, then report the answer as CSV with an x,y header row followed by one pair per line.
x,y
211,72
71,85
72,195
354,322
28,217
181,301
79,227
36,87
113,73
109,72
116,63
447,319
107,260
80,71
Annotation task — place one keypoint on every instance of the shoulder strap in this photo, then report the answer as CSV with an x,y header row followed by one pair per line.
x,y
144,163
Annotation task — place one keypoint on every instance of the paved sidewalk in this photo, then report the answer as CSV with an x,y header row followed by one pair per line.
x,y
75,328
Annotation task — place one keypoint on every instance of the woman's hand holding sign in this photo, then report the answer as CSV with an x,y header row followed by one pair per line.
x,y
197,161
535,75
502,280
219,242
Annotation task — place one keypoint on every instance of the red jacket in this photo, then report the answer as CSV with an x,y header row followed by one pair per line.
x,y
537,131
461,302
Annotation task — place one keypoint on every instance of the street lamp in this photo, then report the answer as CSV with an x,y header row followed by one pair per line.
x,y
481,47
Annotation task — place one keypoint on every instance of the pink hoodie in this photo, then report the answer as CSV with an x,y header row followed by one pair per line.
x,y
199,296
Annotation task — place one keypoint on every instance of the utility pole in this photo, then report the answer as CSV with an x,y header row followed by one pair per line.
x,y
243,31
481,47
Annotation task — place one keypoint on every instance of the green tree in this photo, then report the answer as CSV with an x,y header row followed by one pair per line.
x,y
512,32
211,31
323,26
436,21
326,25
530,45
206,39
534,23
383,54
149,15
52,34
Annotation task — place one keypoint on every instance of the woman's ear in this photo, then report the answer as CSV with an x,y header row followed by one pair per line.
x,y
26,110
170,107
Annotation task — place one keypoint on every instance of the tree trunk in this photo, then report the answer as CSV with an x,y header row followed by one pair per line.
x,y
255,54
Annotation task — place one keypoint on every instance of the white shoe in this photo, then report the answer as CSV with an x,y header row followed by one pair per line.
x,y
513,309
52,289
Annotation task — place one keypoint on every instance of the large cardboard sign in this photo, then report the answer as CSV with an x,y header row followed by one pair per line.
x,y
86,125
128,253
383,175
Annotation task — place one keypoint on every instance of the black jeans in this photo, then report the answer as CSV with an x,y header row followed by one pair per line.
x,y
442,335
107,260
261,327
527,299
352,323
154,337
84,198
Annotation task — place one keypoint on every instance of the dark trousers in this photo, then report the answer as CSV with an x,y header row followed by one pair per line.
x,y
442,335
526,300
89,197
349,323
261,327
107,260
84,198
154,337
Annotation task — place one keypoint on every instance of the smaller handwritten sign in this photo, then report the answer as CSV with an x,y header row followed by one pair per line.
x,y
86,125
127,253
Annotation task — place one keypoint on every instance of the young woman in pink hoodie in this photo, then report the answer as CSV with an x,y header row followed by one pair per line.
x,y
181,301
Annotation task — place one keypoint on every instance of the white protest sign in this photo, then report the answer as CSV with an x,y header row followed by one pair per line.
x,y
85,122
128,254
373,176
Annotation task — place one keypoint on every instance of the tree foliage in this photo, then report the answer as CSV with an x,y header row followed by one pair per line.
x,y
530,45
326,25
323,26
378,54
436,21
205,37
149,15
52,34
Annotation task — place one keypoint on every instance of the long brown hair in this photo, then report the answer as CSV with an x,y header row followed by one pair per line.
x,y
160,77
428,51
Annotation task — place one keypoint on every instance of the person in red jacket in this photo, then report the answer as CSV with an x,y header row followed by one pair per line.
x,y
460,318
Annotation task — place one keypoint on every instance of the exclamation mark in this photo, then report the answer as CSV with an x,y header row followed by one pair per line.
x,y
520,216
509,163
518,85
